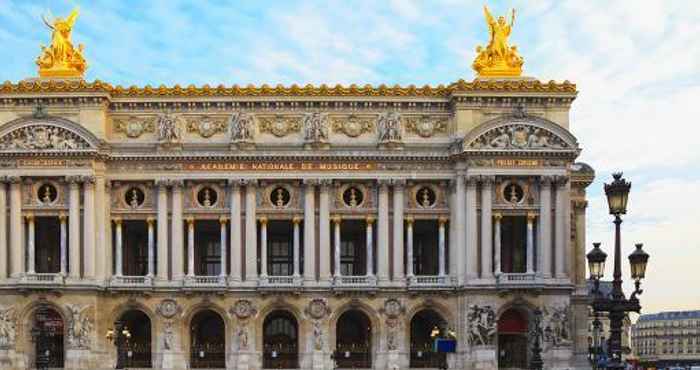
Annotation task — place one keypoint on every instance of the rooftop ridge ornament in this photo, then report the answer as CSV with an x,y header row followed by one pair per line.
x,y
498,58
61,59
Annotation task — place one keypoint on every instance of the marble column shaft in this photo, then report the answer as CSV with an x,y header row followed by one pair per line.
x,y
190,246
251,234
89,233
497,244
545,232
151,247
398,232
441,246
236,245
560,228
102,245
458,224
3,230
309,231
369,246
222,244
529,246
119,271
177,229
31,247
263,247
63,243
162,253
486,228
409,247
472,235
16,228
324,232
296,221
336,245
383,233
74,226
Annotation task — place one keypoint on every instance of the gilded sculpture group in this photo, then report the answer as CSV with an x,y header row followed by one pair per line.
x,y
498,59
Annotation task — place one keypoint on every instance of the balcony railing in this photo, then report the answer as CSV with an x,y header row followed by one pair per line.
x,y
517,278
205,281
355,281
132,281
279,281
43,278
430,281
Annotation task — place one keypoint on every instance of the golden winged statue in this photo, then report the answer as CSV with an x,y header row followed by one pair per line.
x,y
498,58
61,59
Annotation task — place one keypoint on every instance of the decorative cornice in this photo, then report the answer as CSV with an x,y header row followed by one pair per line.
x,y
459,87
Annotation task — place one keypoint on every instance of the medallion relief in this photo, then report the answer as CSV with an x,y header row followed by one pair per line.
x,y
168,308
426,126
279,126
134,127
206,126
352,126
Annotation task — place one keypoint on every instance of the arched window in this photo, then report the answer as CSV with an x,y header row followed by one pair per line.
x,y
138,349
353,340
280,341
207,341
422,354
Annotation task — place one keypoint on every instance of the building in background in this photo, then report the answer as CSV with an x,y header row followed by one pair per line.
x,y
270,227
667,339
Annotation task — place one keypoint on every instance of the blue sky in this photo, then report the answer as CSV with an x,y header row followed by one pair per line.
x,y
636,64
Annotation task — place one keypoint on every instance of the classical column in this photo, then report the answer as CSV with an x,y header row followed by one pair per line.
x,y
529,251
151,247
31,251
251,234
497,243
309,230
441,245
409,247
177,228
63,243
3,229
296,221
472,231
236,246
486,227
398,243
162,229
545,232
118,246
74,225
89,226
263,247
102,244
105,227
457,228
222,244
324,231
370,246
560,242
580,257
383,232
190,246
16,227
336,245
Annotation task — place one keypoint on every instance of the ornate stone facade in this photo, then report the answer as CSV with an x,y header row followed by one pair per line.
x,y
174,210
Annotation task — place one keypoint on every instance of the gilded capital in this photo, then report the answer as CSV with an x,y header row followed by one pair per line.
x,y
262,220
369,219
223,220
336,219
409,220
297,220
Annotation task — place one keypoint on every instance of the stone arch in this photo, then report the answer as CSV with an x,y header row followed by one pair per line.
x,y
420,327
372,316
25,322
280,305
127,306
438,307
532,133
289,356
187,328
512,337
54,134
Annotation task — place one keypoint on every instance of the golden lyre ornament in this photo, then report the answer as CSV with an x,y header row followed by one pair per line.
x,y
498,59
61,59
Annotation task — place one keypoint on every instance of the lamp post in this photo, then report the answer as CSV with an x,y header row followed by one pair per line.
x,y
120,336
595,349
616,305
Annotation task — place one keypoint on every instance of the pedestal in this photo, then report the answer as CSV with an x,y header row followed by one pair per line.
x,y
173,360
244,361
11,360
393,360
80,359
558,358
318,360
484,358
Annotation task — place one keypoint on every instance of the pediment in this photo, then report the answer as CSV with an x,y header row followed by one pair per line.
x,y
45,134
520,134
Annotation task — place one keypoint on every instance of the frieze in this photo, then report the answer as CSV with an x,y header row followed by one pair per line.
x,y
206,126
426,126
481,325
279,126
280,166
8,328
134,127
80,326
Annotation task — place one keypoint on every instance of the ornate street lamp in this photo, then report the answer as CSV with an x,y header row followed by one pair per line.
x,y
120,336
616,305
